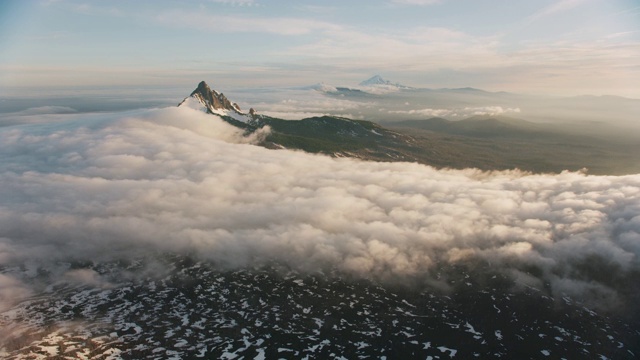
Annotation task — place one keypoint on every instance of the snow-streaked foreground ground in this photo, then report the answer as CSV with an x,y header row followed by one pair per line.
x,y
194,310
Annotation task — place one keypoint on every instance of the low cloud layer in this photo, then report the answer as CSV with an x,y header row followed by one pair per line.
x,y
304,103
459,112
119,185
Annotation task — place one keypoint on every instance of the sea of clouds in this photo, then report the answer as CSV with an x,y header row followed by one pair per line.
x,y
99,187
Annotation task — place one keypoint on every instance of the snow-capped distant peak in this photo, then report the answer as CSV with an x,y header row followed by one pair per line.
x,y
211,101
378,85
376,80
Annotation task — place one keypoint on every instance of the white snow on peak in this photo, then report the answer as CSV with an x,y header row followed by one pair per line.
x,y
378,86
195,102
236,115
376,80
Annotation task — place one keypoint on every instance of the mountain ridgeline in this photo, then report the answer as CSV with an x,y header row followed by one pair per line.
x,y
486,142
331,135
213,99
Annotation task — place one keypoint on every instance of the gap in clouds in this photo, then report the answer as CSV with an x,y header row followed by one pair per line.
x,y
118,186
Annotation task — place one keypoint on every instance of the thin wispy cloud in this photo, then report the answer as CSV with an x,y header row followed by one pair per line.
x,y
436,49
336,40
417,2
430,45
97,9
459,112
622,34
556,8
237,2
240,24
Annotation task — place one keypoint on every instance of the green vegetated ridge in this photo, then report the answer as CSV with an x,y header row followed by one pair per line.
x,y
335,136
487,143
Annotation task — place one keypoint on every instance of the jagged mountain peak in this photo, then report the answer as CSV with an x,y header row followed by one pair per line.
x,y
203,90
202,87
211,101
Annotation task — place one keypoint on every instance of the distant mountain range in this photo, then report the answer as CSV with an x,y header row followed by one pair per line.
x,y
378,82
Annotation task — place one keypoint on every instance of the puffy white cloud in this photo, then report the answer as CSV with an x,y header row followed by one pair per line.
x,y
121,185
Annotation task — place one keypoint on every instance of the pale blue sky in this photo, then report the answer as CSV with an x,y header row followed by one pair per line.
x,y
565,47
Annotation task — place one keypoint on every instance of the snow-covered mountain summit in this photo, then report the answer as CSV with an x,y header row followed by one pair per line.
x,y
376,80
378,85
211,101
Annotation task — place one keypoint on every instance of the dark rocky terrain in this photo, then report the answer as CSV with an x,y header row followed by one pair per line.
x,y
173,307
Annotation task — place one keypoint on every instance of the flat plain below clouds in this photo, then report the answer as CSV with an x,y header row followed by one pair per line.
x,y
107,186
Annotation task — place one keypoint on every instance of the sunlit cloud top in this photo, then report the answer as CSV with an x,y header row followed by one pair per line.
x,y
562,47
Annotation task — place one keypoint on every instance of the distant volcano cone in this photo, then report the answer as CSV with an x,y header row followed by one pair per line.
x,y
375,80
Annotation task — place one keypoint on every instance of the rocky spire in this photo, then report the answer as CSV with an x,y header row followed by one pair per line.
x,y
212,99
